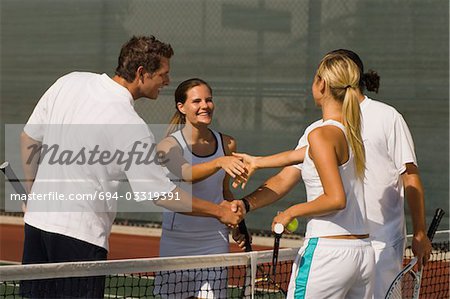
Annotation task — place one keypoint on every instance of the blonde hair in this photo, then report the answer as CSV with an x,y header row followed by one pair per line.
x,y
341,75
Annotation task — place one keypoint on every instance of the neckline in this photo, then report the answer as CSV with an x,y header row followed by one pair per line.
x,y
189,147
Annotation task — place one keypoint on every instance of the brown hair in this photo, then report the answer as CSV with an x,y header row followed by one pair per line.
x,y
179,119
143,51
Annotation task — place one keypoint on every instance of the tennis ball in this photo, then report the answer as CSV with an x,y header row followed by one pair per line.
x,y
293,225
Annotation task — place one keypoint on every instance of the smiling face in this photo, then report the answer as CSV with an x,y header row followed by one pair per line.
x,y
152,83
199,106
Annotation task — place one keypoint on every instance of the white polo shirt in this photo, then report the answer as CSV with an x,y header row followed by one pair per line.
x,y
388,147
88,112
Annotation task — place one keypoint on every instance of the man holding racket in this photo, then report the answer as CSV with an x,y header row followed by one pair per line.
x,y
92,113
391,174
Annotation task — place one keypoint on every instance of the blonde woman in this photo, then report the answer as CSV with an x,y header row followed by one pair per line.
x,y
336,260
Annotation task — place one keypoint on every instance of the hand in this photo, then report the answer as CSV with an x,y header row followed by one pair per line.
x,y
233,166
231,212
421,247
250,166
284,218
239,238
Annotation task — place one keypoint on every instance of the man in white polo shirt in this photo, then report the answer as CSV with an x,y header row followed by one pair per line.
x,y
90,118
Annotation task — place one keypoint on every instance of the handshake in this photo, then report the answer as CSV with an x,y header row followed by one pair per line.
x,y
239,167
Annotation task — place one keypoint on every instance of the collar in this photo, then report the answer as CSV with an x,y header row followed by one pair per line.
x,y
365,102
119,89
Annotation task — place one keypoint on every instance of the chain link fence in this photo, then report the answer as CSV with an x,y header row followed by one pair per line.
x,y
259,57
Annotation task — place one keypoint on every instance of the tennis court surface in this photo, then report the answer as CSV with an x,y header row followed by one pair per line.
x,y
235,275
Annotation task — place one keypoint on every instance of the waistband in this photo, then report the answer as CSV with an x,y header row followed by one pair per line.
x,y
324,242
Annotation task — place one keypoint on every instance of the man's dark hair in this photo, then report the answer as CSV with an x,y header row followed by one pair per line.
x,y
143,51
369,80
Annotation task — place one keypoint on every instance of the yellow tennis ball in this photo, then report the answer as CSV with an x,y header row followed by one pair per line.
x,y
293,225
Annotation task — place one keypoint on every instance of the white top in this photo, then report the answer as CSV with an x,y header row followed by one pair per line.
x,y
78,112
388,146
210,189
349,221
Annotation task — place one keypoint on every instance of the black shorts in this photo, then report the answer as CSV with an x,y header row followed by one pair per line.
x,y
45,247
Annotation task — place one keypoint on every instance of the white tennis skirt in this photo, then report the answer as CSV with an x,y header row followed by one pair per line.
x,y
198,283
333,268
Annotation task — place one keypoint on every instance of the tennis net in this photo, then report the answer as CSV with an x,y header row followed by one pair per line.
x,y
234,275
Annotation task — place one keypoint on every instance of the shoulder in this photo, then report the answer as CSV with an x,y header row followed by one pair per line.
x,y
78,76
381,107
324,135
229,143
314,125
169,143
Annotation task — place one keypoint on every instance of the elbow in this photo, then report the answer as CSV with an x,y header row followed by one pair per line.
x,y
158,202
340,203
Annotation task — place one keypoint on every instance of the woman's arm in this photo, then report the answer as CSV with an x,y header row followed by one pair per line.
x,y
283,159
176,163
323,142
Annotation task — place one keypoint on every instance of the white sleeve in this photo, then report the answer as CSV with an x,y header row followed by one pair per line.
x,y
401,145
35,126
301,143
145,174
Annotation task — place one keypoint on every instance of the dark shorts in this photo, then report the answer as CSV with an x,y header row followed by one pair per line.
x,y
45,247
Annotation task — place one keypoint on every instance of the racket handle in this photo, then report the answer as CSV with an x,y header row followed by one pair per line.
x,y
276,248
243,230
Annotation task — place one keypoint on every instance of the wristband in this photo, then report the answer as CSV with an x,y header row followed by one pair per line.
x,y
246,204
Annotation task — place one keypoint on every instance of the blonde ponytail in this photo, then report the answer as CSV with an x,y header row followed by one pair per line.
x,y
342,76
352,122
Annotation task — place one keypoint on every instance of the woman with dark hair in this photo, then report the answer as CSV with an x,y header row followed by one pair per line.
x,y
202,156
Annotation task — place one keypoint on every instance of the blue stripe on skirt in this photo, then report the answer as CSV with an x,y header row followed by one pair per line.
x,y
303,269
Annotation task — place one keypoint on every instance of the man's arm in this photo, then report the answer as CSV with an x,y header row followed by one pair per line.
x,y
414,193
274,188
30,158
230,213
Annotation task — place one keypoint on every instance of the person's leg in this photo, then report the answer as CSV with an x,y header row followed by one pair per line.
x,y
363,285
62,248
388,263
326,270
34,252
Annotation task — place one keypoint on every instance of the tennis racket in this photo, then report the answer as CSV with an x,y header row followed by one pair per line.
x,y
278,229
264,282
12,178
407,283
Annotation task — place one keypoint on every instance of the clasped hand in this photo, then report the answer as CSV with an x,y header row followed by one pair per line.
x,y
231,212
